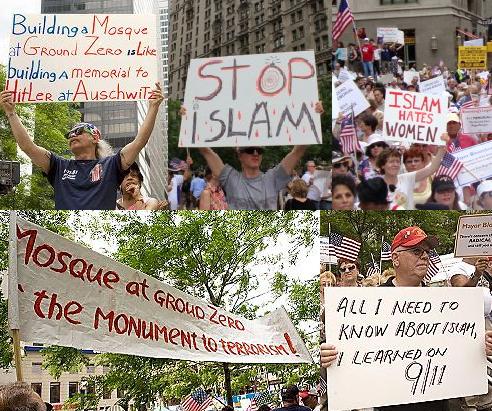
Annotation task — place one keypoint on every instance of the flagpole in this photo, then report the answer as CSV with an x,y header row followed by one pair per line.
x,y
329,244
13,296
381,260
373,262
355,29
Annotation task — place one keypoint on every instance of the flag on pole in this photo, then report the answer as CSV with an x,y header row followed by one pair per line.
x,y
343,19
372,269
348,135
385,251
198,400
432,270
261,398
450,166
345,248
322,387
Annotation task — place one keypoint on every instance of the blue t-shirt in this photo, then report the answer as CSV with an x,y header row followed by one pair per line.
x,y
85,184
197,186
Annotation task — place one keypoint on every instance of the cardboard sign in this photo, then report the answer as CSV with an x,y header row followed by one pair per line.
x,y
409,75
391,35
434,86
344,75
428,343
476,162
72,296
477,120
474,236
472,57
414,117
474,42
251,100
82,57
350,98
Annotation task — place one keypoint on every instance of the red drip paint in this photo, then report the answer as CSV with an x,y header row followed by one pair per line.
x,y
21,289
274,111
257,134
239,115
289,342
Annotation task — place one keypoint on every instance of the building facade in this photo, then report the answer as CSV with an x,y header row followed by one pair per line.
x,y
119,121
433,28
207,28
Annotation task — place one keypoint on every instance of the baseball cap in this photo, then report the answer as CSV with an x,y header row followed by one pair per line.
x,y
411,236
442,183
306,393
452,117
89,127
289,392
484,187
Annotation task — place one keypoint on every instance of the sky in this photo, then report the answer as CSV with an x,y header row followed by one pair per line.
x,y
9,7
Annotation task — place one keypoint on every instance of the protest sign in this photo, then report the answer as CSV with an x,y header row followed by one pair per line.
x,y
321,180
344,75
82,57
325,253
350,98
335,109
72,296
409,75
427,342
435,86
251,100
386,78
390,35
477,120
474,236
414,117
472,57
474,42
476,162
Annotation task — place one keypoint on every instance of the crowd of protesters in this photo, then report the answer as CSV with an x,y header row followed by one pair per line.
x,y
379,174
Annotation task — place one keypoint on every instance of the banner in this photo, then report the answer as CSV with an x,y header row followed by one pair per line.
x,y
414,117
474,42
477,120
350,98
390,35
472,57
420,343
82,57
72,296
474,236
434,86
476,162
251,100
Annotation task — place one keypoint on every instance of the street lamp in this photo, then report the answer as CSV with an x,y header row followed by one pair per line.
x,y
433,43
458,40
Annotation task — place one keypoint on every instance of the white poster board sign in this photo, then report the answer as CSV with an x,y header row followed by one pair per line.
x,y
386,78
476,162
474,42
409,75
474,236
390,35
350,98
450,266
324,251
335,109
344,75
82,57
477,120
251,100
414,117
428,343
435,86
109,307
321,180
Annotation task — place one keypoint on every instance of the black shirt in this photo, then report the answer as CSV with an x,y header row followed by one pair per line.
x,y
293,204
293,408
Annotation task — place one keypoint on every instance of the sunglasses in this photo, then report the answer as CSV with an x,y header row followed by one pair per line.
x,y
78,131
348,268
378,145
252,150
342,164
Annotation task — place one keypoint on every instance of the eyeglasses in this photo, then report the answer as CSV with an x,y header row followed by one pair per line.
x,y
417,252
348,268
341,164
78,131
252,150
378,145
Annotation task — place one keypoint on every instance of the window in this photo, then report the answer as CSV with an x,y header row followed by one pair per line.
x,y
37,387
73,388
36,368
54,392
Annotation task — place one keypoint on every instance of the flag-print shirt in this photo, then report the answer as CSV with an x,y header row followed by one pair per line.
x,y
85,184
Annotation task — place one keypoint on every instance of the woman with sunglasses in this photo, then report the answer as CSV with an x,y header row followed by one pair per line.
x,y
89,180
367,168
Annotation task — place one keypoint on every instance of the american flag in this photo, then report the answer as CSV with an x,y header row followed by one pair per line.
x,y
434,259
450,166
261,398
96,173
178,165
467,104
385,251
344,18
372,269
198,400
345,248
348,135
322,387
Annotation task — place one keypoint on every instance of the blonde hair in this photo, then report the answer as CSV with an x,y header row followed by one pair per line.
x,y
103,149
299,188
327,279
371,281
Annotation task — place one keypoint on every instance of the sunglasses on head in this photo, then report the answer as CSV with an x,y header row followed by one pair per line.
x,y
341,164
348,268
78,131
252,150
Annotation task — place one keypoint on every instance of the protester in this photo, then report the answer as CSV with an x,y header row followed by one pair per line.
x,y
349,273
213,197
309,398
299,200
91,179
375,145
197,186
444,193
314,193
373,194
414,160
290,400
19,396
343,192
484,195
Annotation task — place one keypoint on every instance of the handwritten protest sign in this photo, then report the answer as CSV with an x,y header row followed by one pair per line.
x,y
428,343
414,117
435,86
70,295
477,120
390,35
350,98
326,255
474,236
386,78
82,57
251,100
476,162
472,57
335,109
410,75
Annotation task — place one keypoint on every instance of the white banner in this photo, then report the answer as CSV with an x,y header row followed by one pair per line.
x,y
414,117
82,57
391,35
426,343
474,236
434,86
474,42
477,120
251,100
476,161
72,296
350,98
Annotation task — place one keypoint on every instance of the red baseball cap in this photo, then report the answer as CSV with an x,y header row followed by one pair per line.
x,y
411,236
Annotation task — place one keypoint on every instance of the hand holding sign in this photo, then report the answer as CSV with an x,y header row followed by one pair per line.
x,y
156,97
328,354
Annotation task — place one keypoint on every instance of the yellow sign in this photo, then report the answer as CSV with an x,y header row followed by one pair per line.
x,y
472,57
489,47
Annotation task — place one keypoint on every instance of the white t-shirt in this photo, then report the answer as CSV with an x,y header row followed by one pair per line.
x,y
176,183
313,192
403,194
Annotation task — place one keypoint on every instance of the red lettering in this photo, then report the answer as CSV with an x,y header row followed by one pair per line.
x,y
50,259
30,243
60,259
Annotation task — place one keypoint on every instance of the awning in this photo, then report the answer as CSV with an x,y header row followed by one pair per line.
x,y
468,34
